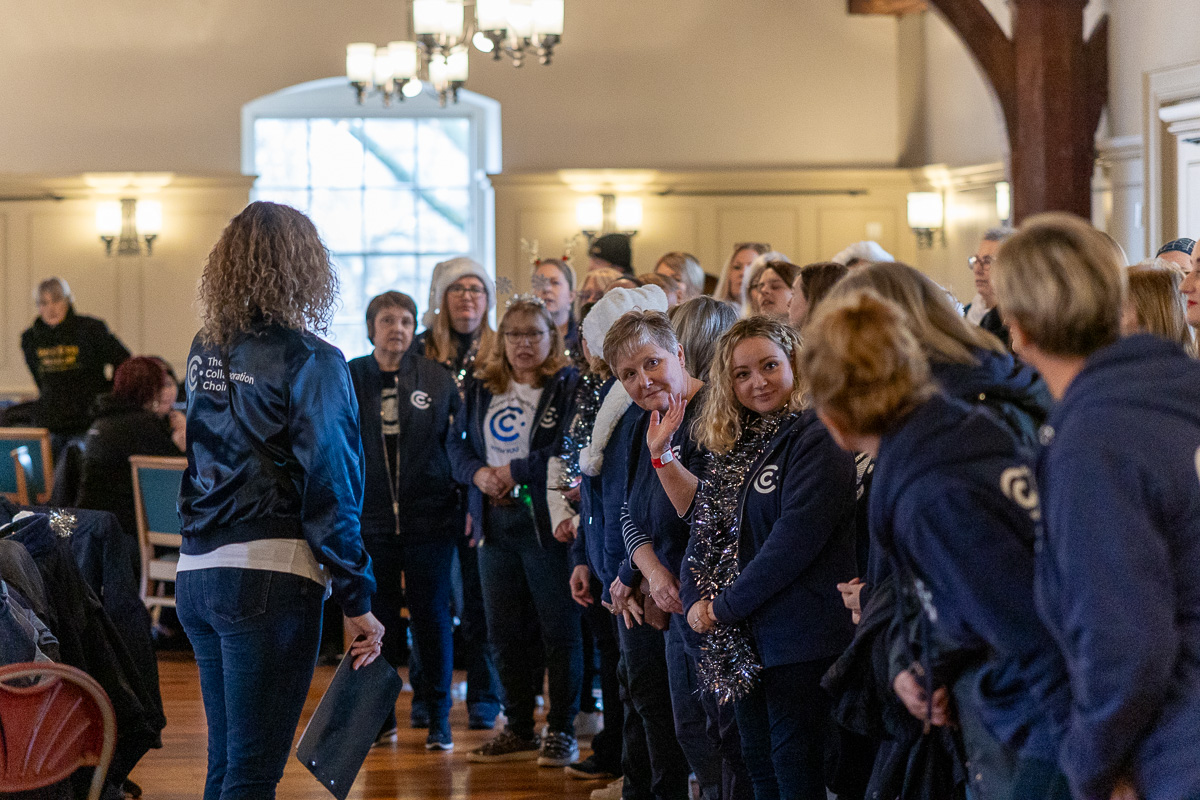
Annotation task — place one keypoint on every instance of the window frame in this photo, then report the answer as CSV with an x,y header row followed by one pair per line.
x,y
334,98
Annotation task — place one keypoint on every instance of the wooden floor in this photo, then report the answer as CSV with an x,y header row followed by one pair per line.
x,y
402,770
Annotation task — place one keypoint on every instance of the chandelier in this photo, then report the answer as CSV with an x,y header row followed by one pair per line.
x,y
443,31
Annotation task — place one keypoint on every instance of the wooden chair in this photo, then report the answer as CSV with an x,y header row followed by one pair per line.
x,y
40,478
155,499
54,719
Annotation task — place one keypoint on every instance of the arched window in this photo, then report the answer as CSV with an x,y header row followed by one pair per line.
x,y
392,190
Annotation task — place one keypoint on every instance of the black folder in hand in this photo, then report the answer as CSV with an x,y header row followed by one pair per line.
x,y
347,720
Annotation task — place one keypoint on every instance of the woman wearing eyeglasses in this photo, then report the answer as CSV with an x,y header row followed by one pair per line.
x,y
510,426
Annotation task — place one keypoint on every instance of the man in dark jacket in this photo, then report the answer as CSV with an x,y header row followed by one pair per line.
x,y
411,505
71,358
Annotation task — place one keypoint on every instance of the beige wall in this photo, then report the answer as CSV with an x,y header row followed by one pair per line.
x,y
148,85
147,300
1146,35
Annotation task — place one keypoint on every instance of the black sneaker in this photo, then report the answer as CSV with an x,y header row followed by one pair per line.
x,y
558,750
439,737
508,746
589,770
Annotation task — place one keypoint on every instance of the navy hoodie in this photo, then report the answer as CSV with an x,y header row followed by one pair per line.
x,y
954,504
1010,390
796,545
1119,571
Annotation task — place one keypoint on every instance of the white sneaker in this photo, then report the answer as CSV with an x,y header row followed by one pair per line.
x,y
610,792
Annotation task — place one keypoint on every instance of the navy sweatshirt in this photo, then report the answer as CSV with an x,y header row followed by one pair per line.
x,y
606,550
468,449
796,545
1119,570
954,505
1009,390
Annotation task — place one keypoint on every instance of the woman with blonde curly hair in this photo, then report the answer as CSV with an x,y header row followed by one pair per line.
x,y
514,410
954,507
772,534
271,496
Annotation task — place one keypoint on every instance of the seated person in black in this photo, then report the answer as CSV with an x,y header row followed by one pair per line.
x,y
136,419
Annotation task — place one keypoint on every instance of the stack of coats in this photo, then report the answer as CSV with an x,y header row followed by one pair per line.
x,y
48,611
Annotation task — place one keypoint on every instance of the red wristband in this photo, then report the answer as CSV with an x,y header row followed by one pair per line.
x,y
659,463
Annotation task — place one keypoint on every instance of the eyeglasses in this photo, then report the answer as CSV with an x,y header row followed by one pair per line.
x,y
975,261
528,337
459,291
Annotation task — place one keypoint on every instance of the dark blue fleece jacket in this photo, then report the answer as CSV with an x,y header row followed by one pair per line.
x,y
1119,571
796,545
954,505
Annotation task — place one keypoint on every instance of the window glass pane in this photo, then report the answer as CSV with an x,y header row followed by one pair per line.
x,y
338,215
391,273
391,146
296,198
281,151
442,220
390,221
351,273
337,152
442,148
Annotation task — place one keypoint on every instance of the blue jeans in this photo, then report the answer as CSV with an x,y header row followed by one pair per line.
x,y
517,573
424,568
653,762
783,725
255,635
708,732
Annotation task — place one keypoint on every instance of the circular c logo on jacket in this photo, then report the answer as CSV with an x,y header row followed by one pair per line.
x,y
193,372
550,418
767,480
1018,486
505,423
420,400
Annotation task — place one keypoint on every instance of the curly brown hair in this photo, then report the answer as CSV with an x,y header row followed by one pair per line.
x,y
269,266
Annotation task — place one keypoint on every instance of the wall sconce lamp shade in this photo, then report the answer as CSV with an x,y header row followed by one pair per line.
x,y
926,215
128,223
589,214
629,214
1004,201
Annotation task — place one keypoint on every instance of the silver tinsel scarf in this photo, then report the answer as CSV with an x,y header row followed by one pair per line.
x,y
728,666
578,434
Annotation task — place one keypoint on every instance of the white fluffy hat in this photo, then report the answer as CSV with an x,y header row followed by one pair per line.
x,y
613,305
446,273
866,251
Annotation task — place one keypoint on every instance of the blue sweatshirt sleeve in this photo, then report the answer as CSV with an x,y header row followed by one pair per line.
x,y
1116,612
324,432
818,487
464,461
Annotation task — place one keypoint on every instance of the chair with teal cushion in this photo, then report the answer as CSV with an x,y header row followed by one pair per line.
x,y
156,501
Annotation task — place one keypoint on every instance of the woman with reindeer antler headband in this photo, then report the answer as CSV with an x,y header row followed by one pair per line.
x,y
510,426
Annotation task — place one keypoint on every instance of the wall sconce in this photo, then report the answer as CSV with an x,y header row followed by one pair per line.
x,y
926,216
608,214
1004,201
128,222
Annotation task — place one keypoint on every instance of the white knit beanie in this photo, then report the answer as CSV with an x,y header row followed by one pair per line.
x,y
613,305
866,251
446,273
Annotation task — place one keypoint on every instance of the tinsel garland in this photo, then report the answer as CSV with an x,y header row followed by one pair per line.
x,y
578,434
62,522
728,666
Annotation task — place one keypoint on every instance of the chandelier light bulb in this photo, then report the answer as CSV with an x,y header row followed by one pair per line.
x,y
108,218
629,213
360,62
438,72
482,43
589,213
413,88
383,66
427,17
149,217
